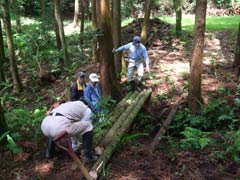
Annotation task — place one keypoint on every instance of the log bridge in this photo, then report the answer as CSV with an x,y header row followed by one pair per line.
x,y
108,134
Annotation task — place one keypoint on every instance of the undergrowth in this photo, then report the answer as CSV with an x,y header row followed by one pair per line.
x,y
214,127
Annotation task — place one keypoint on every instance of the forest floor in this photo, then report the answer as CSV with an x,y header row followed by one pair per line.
x,y
170,59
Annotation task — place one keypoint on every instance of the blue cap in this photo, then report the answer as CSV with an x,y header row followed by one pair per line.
x,y
136,39
81,74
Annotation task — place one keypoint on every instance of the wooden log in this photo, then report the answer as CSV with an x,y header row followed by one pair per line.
x,y
163,129
98,166
117,125
101,129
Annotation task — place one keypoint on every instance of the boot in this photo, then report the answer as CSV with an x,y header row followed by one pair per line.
x,y
132,85
139,86
50,148
87,147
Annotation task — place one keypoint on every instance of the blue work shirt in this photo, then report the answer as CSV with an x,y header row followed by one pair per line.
x,y
136,53
93,96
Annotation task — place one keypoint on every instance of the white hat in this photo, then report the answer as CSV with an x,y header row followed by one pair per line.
x,y
93,77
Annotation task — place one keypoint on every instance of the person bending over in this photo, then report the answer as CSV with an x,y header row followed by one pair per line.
x,y
74,118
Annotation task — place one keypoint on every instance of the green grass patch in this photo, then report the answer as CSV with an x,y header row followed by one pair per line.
x,y
213,23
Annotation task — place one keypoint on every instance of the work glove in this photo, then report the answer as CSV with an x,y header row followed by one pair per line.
x,y
113,50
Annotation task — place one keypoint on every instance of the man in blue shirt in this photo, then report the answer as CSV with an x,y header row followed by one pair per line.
x,y
137,55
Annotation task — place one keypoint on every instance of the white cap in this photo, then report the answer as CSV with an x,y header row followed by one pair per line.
x,y
93,77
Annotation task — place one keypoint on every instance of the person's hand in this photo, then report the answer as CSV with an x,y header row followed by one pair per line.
x,y
148,69
113,50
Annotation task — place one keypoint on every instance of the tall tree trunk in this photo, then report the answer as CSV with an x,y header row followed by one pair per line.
x,y
178,9
61,31
109,81
236,62
43,14
145,25
58,40
43,9
2,56
15,5
116,13
13,65
95,55
76,13
83,6
195,96
3,125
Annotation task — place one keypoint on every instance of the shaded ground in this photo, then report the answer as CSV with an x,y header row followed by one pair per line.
x,y
169,73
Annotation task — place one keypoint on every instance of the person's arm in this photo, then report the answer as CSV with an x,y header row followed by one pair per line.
x,y
146,58
122,48
87,97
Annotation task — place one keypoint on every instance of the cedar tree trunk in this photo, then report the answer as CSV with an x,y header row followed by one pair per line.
x,y
61,31
13,65
178,9
2,55
148,6
195,96
95,55
109,81
116,27
76,13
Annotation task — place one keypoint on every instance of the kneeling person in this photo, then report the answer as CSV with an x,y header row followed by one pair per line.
x,y
74,118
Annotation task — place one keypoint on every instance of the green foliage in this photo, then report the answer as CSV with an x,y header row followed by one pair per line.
x,y
237,99
24,120
129,7
194,139
133,138
233,144
12,145
107,104
216,115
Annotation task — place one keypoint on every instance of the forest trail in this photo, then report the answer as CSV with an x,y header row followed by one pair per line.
x,y
168,79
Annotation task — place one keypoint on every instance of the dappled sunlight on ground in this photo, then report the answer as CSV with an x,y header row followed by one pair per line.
x,y
44,168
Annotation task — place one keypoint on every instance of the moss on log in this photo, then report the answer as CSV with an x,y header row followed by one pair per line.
x,y
101,129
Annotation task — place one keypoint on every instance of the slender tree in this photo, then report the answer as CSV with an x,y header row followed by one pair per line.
x,y
3,125
116,13
61,31
2,55
148,6
195,96
83,7
15,5
57,34
76,13
178,10
109,81
236,62
13,65
95,55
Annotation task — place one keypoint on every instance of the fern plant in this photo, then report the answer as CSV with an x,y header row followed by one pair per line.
x,y
25,120
233,144
194,139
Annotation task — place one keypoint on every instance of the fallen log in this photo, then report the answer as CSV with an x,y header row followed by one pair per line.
x,y
120,121
115,139
101,129
163,129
